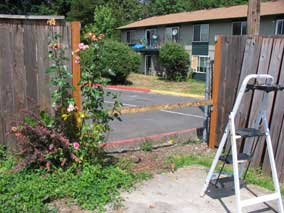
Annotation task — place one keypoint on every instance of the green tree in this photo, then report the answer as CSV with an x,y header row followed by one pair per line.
x,y
116,60
162,7
175,60
83,11
104,22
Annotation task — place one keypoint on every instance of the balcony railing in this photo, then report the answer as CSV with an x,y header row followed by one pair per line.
x,y
143,44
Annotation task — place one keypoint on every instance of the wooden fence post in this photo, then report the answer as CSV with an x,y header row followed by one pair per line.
x,y
75,39
253,19
215,92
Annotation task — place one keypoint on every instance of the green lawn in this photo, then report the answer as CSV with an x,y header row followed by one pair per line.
x,y
254,176
191,86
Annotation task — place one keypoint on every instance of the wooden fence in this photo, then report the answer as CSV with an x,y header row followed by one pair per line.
x,y
235,58
24,83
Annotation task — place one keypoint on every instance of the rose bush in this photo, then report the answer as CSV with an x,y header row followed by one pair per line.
x,y
67,137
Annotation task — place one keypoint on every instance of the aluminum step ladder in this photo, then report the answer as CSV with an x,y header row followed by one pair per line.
x,y
233,135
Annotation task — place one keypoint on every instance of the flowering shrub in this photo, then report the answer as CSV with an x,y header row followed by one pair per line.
x,y
68,137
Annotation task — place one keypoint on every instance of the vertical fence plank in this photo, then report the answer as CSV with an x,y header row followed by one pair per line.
x,y
215,92
75,31
279,125
249,66
43,91
30,64
7,94
274,70
257,98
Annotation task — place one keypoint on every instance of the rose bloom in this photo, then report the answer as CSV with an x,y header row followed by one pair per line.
x,y
81,46
14,129
76,145
70,108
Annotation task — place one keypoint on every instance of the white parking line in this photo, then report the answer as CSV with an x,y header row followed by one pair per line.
x,y
167,111
111,102
180,113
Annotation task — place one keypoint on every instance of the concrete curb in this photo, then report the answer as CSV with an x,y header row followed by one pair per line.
x,y
164,139
177,94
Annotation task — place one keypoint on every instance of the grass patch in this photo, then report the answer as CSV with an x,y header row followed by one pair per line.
x,y
92,188
191,86
146,146
254,176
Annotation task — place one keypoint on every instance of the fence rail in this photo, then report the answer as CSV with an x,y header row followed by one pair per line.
x,y
235,58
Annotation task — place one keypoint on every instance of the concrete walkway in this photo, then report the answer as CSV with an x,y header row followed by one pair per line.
x,y
179,193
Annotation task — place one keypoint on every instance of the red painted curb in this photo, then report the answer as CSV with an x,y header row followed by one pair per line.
x,y
128,88
138,139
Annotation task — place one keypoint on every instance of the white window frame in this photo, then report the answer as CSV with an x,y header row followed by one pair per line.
x,y
198,65
278,21
172,39
235,22
131,35
207,40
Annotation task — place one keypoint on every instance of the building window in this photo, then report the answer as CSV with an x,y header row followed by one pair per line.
x,y
130,35
239,28
199,63
201,32
279,30
172,34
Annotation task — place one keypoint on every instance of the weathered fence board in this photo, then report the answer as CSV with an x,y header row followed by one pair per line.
x,y
24,83
260,54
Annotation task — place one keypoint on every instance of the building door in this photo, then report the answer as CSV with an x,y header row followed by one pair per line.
x,y
148,64
149,35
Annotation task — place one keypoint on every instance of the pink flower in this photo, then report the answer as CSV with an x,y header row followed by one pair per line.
x,y
77,59
86,47
70,108
81,46
76,145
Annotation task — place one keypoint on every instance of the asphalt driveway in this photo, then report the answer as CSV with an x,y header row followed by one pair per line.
x,y
155,122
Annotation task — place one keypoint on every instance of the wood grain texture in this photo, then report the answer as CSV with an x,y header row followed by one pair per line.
x,y
263,67
215,93
24,82
274,107
75,30
261,55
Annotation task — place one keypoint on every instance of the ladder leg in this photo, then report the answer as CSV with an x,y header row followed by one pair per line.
x,y
215,161
235,166
272,164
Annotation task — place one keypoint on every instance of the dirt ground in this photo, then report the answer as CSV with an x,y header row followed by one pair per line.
x,y
171,191
154,161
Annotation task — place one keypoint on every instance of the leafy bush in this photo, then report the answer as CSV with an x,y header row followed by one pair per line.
x,y
115,61
175,60
92,188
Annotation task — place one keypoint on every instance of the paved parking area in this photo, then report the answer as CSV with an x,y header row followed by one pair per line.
x,y
155,122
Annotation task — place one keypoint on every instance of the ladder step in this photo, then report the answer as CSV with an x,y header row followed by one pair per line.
x,y
228,182
249,132
242,157
259,199
264,87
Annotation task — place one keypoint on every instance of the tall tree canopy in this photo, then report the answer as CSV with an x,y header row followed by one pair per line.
x,y
123,11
